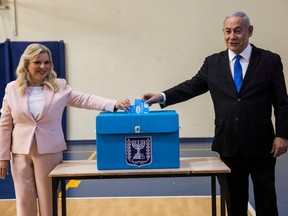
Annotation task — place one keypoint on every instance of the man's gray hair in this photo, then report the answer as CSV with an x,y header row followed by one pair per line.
x,y
240,14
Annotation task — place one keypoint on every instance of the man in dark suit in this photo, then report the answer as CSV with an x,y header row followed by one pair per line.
x,y
244,134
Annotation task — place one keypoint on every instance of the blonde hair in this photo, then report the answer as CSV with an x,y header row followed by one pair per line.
x,y
32,51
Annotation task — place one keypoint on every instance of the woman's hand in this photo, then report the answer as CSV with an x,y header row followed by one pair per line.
x,y
122,105
4,166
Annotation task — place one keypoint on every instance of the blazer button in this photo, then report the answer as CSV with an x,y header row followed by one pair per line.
x,y
238,99
236,119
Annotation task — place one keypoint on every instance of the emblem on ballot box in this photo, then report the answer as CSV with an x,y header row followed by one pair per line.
x,y
138,150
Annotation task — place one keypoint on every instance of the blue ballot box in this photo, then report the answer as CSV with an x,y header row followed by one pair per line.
x,y
133,141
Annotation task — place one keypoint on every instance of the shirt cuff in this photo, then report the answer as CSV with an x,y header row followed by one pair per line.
x,y
164,98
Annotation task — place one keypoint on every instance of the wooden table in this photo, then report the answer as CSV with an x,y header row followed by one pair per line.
x,y
189,167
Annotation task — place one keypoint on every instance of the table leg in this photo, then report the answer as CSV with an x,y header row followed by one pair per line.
x,y
55,183
213,191
222,200
63,198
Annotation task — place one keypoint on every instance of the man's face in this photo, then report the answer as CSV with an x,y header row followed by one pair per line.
x,y
236,34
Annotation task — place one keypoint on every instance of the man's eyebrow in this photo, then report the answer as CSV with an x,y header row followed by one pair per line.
x,y
236,28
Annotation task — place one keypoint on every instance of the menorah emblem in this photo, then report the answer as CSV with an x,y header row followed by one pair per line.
x,y
138,150
138,146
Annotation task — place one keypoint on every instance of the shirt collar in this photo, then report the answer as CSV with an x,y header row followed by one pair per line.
x,y
246,53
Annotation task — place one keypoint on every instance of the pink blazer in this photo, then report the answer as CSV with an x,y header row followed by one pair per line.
x,y
18,127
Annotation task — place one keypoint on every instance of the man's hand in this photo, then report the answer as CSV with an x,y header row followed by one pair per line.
x,y
151,98
279,147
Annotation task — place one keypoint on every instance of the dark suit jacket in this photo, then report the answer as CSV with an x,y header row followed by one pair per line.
x,y
243,124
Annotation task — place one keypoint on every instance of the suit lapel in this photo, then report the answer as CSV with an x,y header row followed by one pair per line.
x,y
227,70
254,60
48,95
226,67
24,100
255,57
25,104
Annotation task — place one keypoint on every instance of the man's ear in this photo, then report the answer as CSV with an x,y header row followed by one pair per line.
x,y
250,30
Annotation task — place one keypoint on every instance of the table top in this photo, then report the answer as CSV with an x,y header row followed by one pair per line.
x,y
188,166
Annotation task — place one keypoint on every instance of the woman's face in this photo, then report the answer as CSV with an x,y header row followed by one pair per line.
x,y
38,68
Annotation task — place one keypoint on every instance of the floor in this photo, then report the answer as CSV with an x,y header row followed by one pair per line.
x,y
199,186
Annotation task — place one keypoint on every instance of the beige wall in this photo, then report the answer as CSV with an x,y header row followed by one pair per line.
x,y
123,48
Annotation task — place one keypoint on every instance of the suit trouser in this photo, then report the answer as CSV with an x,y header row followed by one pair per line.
x,y
30,175
236,185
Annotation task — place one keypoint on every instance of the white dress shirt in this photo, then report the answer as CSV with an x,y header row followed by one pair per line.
x,y
244,61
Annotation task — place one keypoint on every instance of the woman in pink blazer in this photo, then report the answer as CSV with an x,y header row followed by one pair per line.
x,y
31,133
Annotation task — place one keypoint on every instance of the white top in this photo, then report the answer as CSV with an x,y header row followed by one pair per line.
x,y
36,100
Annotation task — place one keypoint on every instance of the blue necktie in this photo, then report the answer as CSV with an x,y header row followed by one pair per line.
x,y
238,73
